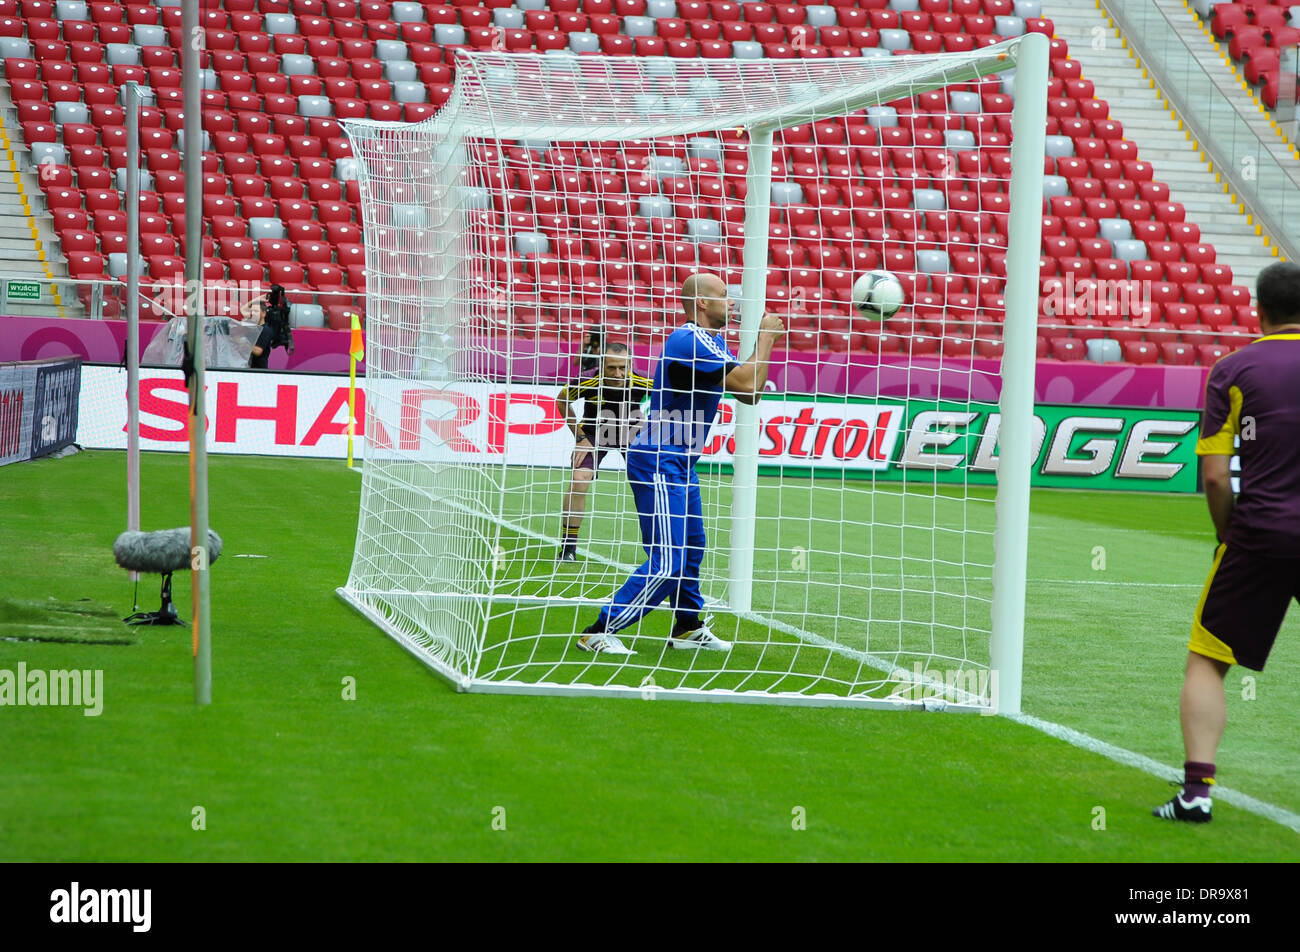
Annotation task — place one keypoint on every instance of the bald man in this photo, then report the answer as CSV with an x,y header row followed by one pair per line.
x,y
694,371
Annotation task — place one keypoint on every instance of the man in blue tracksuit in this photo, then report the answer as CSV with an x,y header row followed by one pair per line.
x,y
694,370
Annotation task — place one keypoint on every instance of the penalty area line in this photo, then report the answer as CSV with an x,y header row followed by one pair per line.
x,y
1129,758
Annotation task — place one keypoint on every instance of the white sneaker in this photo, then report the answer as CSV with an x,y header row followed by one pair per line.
x,y
701,639
602,643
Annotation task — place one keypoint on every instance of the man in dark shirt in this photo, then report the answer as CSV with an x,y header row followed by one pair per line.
x,y
1252,408
611,413
262,348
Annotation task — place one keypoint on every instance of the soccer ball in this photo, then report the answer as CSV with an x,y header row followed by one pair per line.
x,y
877,295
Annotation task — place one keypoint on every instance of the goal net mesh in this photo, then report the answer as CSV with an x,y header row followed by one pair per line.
x,y
554,196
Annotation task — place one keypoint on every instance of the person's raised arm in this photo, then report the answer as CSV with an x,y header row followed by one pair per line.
x,y
746,382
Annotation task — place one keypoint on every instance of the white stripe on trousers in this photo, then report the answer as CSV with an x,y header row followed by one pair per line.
x,y
653,580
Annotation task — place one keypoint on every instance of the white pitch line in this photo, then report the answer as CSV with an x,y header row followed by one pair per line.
x,y
1128,758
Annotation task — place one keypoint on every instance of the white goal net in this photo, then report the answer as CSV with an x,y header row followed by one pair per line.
x,y
526,253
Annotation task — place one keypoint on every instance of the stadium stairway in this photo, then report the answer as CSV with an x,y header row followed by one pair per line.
x,y
1117,79
23,222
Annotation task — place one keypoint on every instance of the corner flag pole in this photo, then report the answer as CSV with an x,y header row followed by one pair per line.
x,y
356,351
194,337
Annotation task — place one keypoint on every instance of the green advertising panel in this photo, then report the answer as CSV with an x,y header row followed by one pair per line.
x,y
1147,449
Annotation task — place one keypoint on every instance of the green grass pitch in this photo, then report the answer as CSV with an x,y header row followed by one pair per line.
x,y
284,768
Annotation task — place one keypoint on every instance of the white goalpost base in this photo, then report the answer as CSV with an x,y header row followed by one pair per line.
x,y
554,193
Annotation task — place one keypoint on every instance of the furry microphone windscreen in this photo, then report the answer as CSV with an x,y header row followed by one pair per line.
x,y
167,550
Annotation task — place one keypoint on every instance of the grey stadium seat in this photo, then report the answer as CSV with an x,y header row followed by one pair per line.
x,y
314,106
661,8
638,26
406,12
804,92
531,4
904,6
882,116
117,264
964,103
895,40
306,315
274,23
932,261
1114,229
48,153
409,216
1029,9
388,50
146,180
500,76
345,168
472,196
1129,249
122,54
266,228
409,91
661,165
958,140
1007,83
149,34
706,87
1054,185
1103,350
820,16
1058,146
71,10
584,42
875,52
703,229
531,243
1008,26
508,18
65,112
929,199
180,140
297,64
448,34
787,193
747,50
401,71
208,79
15,47
705,147
648,103
655,206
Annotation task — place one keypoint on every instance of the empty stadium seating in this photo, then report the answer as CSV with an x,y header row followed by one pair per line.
x,y
281,203
1255,33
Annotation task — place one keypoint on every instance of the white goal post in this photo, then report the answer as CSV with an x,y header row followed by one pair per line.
x,y
554,193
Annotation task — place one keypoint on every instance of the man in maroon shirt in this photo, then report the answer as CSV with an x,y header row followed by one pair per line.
x,y
1252,409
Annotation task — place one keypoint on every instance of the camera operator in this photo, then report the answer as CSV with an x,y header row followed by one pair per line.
x,y
272,311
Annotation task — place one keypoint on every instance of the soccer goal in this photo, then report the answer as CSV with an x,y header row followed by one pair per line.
x,y
867,521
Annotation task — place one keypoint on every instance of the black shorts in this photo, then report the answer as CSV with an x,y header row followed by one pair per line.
x,y
592,458
1243,604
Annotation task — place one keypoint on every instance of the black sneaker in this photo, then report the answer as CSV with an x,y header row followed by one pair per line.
x,y
1194,810
567,555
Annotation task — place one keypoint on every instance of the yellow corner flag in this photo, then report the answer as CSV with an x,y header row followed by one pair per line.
x,y
356,351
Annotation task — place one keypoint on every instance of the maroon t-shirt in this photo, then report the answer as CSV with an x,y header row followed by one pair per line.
x,y
1252,400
